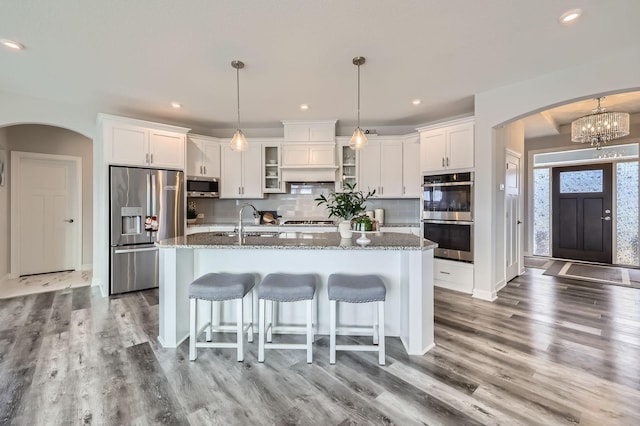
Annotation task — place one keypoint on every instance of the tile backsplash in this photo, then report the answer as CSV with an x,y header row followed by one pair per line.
x,y
300,203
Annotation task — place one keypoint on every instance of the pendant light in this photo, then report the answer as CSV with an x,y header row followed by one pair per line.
x,y
358,140
238,141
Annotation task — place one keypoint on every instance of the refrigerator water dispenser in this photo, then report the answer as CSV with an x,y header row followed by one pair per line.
x,y
131,220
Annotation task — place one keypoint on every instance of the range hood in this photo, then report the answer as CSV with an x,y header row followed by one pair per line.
x,y
308,173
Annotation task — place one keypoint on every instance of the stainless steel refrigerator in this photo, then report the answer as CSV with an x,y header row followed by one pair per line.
x,y
147,205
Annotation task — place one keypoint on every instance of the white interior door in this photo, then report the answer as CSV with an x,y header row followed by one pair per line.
x,y
512,200
45,213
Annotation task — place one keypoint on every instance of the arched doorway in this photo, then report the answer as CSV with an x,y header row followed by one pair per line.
x,y
71,156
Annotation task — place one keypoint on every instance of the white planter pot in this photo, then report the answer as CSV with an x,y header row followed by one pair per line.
x,y
345,229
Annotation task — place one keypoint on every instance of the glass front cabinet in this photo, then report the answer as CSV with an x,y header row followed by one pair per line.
x,y
271,172
348,165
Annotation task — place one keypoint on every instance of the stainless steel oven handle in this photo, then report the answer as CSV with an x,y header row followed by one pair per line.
x,y
432,185
448,222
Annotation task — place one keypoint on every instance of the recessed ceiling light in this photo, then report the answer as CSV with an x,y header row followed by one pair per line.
x,y
176,104
416,101
14,45
570,16
304,107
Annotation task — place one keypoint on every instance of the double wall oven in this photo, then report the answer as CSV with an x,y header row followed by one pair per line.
x,y
447,214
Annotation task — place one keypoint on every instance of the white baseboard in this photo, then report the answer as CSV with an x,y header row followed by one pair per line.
x,y
489,296
463,288
502,284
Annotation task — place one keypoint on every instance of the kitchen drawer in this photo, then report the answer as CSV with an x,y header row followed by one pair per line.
x,y
453,275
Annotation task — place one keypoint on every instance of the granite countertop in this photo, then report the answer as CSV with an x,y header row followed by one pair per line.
x,y
299,240
251,224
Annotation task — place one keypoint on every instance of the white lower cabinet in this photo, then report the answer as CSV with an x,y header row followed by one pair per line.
x,y
453,275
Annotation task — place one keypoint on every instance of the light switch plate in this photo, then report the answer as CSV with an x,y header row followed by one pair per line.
x,y
200,215
502,187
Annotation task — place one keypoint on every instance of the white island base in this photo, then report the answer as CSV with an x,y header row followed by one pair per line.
x,y
407,274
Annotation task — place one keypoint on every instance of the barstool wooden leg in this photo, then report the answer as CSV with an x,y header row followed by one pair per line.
x,y
270,324
240,329
250,328
376,325
309,331
332,331
193,315
381,345
261,320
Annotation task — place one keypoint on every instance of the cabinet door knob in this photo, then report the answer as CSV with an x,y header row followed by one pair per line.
x,y
151,158
205,169
447,161
442,161
146,158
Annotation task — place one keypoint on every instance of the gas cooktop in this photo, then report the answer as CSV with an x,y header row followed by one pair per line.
x,y
309,222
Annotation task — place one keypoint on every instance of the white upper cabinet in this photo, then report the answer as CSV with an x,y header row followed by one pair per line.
x,y
309,131
141,143
203,156
411,176
166,150
309,144
241,172
309,154
447,146
380,168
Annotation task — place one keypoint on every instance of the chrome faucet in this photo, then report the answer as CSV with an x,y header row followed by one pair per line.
x,y
255,213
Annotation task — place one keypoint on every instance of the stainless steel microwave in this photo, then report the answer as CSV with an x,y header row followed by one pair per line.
x,y
203,187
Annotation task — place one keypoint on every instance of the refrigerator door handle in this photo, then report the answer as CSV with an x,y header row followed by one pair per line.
x,y
148,196
135,250
154,210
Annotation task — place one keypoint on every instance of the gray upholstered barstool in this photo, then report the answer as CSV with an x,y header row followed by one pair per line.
x,y
357,289
218,287
285,288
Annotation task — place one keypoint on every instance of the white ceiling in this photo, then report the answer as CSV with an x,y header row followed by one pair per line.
x,y
135,57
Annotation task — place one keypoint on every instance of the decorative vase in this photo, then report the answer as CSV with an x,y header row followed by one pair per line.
x,y
345,229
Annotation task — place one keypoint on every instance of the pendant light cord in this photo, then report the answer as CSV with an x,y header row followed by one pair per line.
x,y
358,96
238,93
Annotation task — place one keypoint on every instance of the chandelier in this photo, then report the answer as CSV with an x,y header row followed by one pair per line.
x,y
600,126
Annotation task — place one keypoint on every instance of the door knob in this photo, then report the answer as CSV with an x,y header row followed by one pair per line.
x,y
519,222
69,220
606,218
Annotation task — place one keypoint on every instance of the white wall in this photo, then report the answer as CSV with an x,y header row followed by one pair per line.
x,y
5,239
54,140
510,136
606,75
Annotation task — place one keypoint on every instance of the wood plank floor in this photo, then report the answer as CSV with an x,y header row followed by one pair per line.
x,y
549,351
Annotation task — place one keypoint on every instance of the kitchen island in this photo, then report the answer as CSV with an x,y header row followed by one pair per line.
x,y
404,262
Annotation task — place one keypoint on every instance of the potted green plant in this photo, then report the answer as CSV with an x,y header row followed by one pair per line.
x,y
363,223
192,213
345,205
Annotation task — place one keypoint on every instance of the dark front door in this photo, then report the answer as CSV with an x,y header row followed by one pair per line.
x,y
581,206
